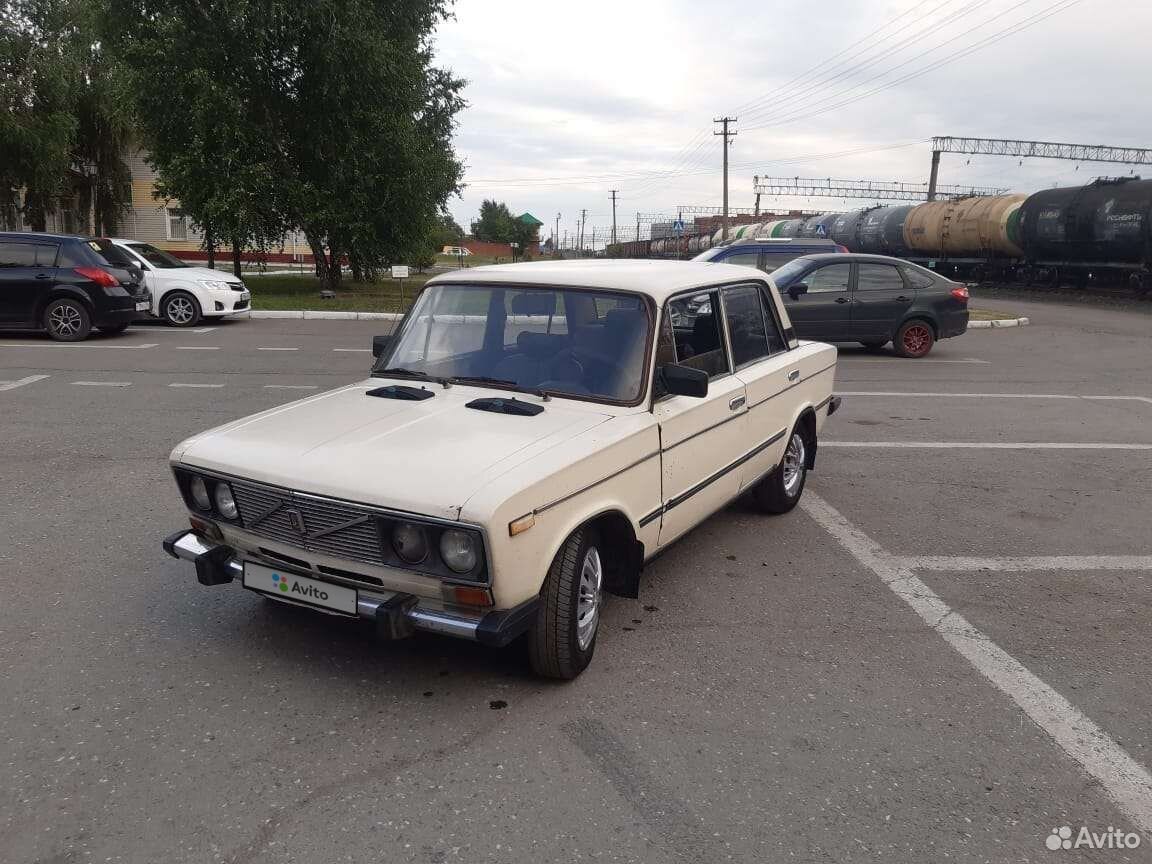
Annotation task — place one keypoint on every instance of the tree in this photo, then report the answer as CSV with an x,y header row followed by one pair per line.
x,y
327,116
496,223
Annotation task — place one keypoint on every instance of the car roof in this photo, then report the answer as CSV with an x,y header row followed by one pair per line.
x,y
848,257
657,279
37,235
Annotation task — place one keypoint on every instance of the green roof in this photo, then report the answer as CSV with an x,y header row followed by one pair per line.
x,y
529,219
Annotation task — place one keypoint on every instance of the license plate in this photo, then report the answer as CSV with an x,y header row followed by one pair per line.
x,y
142,307
301,589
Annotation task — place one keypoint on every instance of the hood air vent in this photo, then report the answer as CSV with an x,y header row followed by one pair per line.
x,y
400,391
506,406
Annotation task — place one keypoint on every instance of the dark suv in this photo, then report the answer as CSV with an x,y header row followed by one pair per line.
x,y
67,285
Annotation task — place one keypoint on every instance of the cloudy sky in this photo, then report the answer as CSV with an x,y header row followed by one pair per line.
x,y
569,101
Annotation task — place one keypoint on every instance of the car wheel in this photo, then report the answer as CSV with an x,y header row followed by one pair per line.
x,y
114,330
914,339
180,309
874,346
780,491
67,320
563,637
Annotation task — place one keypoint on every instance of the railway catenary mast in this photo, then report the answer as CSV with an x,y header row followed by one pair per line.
x,y
1038,149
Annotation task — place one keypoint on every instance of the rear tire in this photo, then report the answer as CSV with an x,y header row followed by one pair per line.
x,y
563,637
914,339
67,320
781,489
180,309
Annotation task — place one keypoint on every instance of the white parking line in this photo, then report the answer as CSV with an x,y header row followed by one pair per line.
x,y
82,345
1126,781
277,349
21,382
965,564
201,386
983,445
866,360
291,386
137,329
902,395
353,350
101,383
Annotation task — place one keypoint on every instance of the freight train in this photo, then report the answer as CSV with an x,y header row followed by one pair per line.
x,y
1094,233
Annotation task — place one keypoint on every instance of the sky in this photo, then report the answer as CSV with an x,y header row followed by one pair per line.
x,y
568,102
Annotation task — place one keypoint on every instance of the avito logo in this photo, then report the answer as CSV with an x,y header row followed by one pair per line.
x,y
296,588
1061,838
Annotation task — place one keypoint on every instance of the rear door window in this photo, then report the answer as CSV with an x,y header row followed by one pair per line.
x,y
878,277
20,254
743,259
917,278
746,331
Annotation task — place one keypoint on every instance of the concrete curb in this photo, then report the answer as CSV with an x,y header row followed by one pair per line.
x,y
1005,322
321,315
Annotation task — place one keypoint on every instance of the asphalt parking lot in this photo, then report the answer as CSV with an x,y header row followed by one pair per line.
x,y
942,655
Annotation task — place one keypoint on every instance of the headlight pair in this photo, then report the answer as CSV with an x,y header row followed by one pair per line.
x,y
212,285
219,499
459,550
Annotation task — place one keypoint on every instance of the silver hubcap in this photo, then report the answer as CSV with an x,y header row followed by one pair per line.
x,y
180,310
64,320
588,603
794,464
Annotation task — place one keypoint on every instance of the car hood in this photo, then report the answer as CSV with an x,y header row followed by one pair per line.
x,y
427,456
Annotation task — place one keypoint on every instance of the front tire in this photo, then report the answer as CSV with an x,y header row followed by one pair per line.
x,y
914,339
563,637
780,491
180,309
67,320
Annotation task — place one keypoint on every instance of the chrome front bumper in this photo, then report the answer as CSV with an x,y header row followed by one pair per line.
x,y
396,615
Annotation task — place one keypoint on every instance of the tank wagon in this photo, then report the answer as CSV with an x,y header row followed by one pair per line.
x,y
881,231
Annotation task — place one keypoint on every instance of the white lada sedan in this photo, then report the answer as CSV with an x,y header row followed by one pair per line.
x,y
531,435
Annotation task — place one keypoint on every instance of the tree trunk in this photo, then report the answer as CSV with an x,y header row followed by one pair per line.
x,y
210,246
35,210
236,257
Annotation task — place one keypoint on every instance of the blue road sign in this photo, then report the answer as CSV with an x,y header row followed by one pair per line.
x,y
678,227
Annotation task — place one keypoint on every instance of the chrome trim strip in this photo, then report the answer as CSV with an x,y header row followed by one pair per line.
x,y
822,404
703,484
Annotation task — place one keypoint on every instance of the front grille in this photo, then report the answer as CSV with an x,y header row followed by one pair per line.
x,y
328,527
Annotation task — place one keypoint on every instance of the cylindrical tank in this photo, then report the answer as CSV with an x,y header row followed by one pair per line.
x,y
818,226
787,228
966,227
718,237
843,228
881,231
766,228
1108,220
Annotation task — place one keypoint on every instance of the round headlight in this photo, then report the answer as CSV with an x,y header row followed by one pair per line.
x,y
200,493
410,542
225,503
459,550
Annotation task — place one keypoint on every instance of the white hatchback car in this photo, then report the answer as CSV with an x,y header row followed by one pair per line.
x,y
528,439
183,294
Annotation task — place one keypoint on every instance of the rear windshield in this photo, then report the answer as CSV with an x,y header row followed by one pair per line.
x,y
158,258
112,254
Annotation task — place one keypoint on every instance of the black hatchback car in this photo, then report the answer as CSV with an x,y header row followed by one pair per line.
x,y
67,285
871,299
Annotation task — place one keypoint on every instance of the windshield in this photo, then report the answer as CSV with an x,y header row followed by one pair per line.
x,y
585,344
786,273
158,258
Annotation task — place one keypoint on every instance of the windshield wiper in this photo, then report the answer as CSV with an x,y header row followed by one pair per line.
x,y
410,373
484,379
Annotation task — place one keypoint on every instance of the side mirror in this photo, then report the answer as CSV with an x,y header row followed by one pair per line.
x,y
136,271
380,344
684,380
796,290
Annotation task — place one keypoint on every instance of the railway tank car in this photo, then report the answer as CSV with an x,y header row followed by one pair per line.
x,y
817,226
973,227
881,231
1107,221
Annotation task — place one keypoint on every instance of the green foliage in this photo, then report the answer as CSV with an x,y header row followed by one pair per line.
x,y
327,116
496,223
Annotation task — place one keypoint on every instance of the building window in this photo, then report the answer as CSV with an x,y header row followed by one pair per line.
x,y
177,223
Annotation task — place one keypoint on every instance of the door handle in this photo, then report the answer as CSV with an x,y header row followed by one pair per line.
x,y
736,404
903,299
43,275
842,300
794,375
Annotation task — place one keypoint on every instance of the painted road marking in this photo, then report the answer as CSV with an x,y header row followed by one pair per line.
x,y
277,349
353,350
136,329
965,564
1126,781
203,386
983,445
83,346
21,382
102,383
197,348
291,386
843,358
1147,399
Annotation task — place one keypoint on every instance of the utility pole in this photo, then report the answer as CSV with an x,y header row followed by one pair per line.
x,y
755,184
724,122
556,238
614,191
933,175
583,219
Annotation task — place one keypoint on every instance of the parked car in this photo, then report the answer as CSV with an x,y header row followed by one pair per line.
x,y
767,253
183,294
872,299
532,435
65,285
